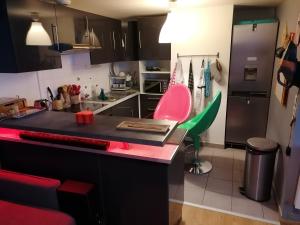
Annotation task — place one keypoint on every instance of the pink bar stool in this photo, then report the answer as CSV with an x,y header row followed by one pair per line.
x,y
175,104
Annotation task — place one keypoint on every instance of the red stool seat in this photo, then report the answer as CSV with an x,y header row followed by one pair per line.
x,y
79,199
16,214
76,187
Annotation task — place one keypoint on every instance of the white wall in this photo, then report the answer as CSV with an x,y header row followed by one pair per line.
x,y
76,69
211,33
287,168
22,84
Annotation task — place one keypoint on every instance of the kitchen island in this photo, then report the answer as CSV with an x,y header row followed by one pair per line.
x,y
139,185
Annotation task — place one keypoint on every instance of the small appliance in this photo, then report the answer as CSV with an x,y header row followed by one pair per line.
x,y
122,82
158,86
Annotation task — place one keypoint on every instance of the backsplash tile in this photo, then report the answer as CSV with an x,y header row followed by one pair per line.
x,y
76,69
21,84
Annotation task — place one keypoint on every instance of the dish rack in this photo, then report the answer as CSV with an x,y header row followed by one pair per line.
x,y
118,83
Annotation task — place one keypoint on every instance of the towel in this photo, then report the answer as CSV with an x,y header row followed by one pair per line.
x,y
191,78
199,99
207,78
173,77
177,75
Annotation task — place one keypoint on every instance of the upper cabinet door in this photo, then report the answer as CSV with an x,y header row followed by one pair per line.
x,y
72,28
103,54
148,35
115,40
16,19
109,31
129,41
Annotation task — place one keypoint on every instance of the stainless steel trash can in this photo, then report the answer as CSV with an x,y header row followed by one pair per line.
x,y
259,168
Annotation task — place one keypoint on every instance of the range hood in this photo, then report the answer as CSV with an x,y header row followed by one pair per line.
x,y
61,2
89,41
66,49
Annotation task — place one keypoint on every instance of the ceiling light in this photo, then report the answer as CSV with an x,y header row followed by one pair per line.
x,y
168,30
37,35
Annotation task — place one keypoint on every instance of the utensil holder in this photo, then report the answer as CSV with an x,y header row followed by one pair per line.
x,y
58,105
75,99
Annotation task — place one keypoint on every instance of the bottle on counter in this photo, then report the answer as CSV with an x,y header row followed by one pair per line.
x,y
95,91
102,95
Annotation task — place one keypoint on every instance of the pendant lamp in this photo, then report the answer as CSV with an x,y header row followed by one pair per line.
x,y
167,31
37,35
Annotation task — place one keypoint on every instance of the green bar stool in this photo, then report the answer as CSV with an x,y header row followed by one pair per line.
x,y
196,126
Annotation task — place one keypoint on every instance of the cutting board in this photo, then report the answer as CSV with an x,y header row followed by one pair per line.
x,y
145,127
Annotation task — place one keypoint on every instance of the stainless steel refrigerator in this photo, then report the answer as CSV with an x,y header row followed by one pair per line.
x,y
250,81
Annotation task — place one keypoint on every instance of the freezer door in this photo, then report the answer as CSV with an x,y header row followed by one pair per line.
x,y
246,117
252,57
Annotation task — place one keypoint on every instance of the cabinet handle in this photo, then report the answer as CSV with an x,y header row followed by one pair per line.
x,y
150,109
87,28
125,42
55,35
102,37
140,42
152,98
114,40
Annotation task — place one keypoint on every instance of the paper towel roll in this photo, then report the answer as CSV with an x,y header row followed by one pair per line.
x,y
297,197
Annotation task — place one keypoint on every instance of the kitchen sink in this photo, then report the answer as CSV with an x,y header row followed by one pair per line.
x,y
114,96
92,106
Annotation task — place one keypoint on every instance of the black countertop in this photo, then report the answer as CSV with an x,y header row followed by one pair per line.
x,y
104,127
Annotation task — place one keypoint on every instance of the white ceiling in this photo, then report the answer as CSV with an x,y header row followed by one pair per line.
x,y
129,8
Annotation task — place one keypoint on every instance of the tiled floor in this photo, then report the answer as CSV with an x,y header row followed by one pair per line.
x,y
220,188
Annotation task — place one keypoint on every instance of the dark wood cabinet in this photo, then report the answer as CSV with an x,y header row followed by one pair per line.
x,y
116,45
103,54
128,108
129,41
76,30
128,191
16,17
109,32
148,105
71,29
137,192
148,35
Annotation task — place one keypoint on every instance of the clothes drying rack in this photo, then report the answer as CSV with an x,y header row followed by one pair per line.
x,y
197,55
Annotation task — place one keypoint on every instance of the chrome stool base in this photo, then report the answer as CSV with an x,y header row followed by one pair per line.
x,y
198,167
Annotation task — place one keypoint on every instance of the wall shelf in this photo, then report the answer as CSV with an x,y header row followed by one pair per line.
x,y
144,74
156,72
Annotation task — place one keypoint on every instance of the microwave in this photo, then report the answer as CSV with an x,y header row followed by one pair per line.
x,y
158,86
